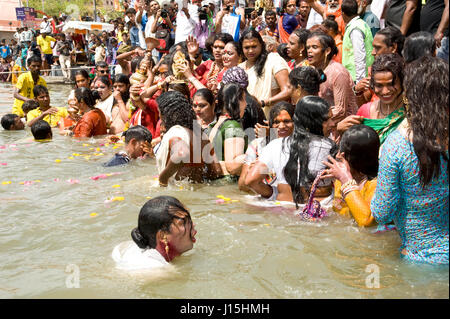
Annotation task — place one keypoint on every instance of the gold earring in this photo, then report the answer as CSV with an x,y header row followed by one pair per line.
x,y
405,102
166,245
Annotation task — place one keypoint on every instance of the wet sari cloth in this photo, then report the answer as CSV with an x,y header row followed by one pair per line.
x,y
386,126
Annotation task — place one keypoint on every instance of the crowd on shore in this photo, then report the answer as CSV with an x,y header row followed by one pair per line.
x,y
308,102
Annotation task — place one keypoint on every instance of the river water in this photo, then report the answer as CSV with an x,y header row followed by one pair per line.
x,y
58,229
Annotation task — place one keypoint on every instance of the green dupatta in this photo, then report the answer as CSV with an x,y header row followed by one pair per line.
x,y
386,126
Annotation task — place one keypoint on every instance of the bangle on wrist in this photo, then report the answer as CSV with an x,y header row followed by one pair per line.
x,y
356,92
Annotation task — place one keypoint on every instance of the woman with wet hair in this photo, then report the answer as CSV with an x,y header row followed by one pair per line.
x,y
181,152
93,121
354,171
297,159
305,80
412,188
418,45
165,231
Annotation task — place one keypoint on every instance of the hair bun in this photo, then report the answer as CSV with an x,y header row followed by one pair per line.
x,y
138,238
322,76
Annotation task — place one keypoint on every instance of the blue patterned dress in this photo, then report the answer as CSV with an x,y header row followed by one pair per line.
x,y
421,215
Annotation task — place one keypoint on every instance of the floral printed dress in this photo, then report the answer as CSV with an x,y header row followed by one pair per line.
x,y
421,215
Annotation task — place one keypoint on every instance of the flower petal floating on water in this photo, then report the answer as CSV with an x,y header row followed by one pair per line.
x,y
3,164
220,201
93,214
56,179
116,186
57,160
73,181
118,198
6,183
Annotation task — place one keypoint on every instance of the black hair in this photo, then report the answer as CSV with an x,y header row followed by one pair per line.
x,y
8,120
261,61
326,41
310,114
228,99
105,80
361,145
101,64
426,88
41,130
130,10
282,51
270,13
157,214
176,110
89,97
392,63
308,78
330,23
34,58
417,45
29,105
237,47
349,8
183,88
277,108
224,37
285,3
208,95
135,62
139,133
302,35
38,89
392,36
84,74
122,78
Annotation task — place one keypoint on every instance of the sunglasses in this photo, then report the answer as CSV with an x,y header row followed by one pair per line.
x,y
103,71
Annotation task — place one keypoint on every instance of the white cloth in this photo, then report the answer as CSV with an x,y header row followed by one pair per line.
x,y
313,19
26,36
163,151
185,26
128,256
148,27
261,87
45,27
106,106
276,155
377,8
359,50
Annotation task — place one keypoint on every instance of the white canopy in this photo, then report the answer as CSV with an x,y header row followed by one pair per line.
x,y
83,26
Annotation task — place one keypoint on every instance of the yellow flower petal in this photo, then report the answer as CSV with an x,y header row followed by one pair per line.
x,y
116,186
93,214
71,157
119,198
6,183
57,161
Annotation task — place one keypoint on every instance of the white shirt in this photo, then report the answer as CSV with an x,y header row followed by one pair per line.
x,y
106,107
313,18
26,36
45,27
276,155
128,256
185,26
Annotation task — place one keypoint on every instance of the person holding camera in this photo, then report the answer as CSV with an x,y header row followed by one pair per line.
x,y
162,29
187,19
226,22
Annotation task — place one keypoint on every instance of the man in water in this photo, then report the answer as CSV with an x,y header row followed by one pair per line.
x,y
26,83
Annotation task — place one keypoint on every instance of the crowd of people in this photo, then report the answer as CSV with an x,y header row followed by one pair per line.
x,y
274,97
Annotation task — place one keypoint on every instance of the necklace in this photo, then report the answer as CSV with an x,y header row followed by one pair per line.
x,y
386,114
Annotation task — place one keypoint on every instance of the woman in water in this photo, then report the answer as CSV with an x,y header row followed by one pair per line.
x,y
93,121
412,188
355,170
165,231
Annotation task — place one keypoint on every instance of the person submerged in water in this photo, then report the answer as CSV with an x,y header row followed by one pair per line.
x,y
165,231
138,141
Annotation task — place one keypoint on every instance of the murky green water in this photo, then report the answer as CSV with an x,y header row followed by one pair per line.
x,y
242,251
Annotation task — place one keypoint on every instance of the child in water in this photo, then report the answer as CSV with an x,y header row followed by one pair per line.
x,y
138,141
41,130
12,122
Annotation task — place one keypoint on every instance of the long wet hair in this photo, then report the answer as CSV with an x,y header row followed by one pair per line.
x,y
228,100
418,45
157,214
361,145
88,96
250,34
426,88
391,62
176,110
310,114
326,41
